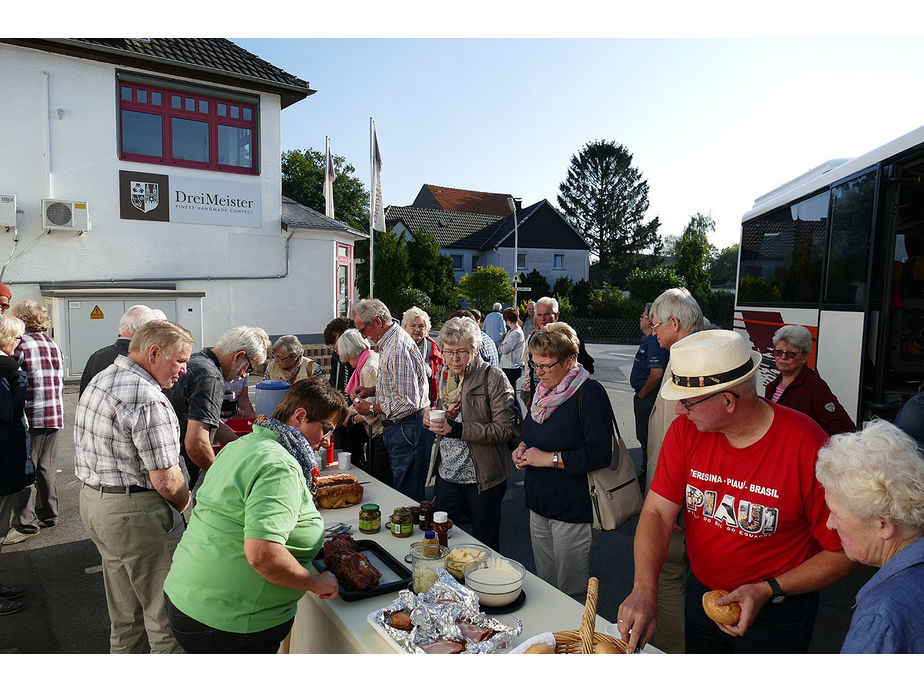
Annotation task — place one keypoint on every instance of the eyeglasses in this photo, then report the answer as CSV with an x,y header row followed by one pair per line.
x,y
655,325
276,357
542,369
249,366
362,330
3,307
689,405
780,354
326,427
461,353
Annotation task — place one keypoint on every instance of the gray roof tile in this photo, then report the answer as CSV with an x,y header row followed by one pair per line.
x,y
297,215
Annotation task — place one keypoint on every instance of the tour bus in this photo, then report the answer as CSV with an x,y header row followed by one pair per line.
x,y
840,250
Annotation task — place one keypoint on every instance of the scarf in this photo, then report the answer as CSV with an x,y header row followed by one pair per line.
x,y
354,378
450,392
547,401
294,443
288,374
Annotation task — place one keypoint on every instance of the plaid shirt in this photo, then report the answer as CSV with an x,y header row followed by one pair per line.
x,y
42,362
124,427
402,387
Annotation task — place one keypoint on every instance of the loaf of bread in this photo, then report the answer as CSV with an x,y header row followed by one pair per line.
x,y
335,479
339,495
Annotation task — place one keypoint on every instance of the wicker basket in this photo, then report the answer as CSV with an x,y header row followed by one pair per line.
x,y
582,641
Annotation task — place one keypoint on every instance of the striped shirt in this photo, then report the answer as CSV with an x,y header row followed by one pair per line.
x,y
124,427
42,362
402,387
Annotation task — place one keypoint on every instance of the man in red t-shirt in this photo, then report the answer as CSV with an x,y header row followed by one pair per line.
x,y
742,470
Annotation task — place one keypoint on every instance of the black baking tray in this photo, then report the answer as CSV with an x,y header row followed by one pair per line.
x,y
375,554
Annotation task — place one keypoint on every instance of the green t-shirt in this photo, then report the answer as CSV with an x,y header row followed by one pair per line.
x,y
255,490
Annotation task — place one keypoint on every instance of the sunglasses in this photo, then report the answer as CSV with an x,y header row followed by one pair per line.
x,y
542,369
780,354
689,405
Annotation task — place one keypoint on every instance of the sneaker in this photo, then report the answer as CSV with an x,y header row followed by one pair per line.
x,y
11,592
14,536
47,523
8,607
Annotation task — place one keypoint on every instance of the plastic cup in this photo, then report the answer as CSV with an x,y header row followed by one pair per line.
x,y
343,460
437,415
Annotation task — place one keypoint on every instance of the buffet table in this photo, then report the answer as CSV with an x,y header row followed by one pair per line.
x,y
332,626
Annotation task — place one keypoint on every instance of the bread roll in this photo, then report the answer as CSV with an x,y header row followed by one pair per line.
x,y
728,614
539,648
339,496
606,648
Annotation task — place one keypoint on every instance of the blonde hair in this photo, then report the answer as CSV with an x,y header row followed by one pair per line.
x,y
11,328
415,312
33,314
167,335
557,339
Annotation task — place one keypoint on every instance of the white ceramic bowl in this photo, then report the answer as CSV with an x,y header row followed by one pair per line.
x,y
496,580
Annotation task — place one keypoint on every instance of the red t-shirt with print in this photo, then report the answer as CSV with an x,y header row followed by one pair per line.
x,y
750,513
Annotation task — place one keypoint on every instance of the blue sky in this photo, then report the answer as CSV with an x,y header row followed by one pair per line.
x,y
712,124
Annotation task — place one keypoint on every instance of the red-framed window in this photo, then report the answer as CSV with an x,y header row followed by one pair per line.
x,y
161,125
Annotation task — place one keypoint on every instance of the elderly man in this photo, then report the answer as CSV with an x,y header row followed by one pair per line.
x,y
742,469
127,454
5,297
494,325
401,393
132,320
645,378
198,395
528,320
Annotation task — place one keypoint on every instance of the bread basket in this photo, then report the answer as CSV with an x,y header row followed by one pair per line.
x,y
582,641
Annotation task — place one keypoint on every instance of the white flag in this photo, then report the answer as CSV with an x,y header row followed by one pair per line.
x,y
377,212
329,177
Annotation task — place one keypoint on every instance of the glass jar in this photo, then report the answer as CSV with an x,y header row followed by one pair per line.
x,y
426,515
370,519
402,523
425,560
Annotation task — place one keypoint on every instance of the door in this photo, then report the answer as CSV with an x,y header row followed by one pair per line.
x,y
344,280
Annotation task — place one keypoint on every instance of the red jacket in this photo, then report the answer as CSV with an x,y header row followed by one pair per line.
x,y
811,395
435,362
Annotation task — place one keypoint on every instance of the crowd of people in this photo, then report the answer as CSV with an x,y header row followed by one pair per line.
x,y
768,493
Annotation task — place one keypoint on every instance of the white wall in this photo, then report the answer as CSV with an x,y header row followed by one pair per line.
x,y
577,262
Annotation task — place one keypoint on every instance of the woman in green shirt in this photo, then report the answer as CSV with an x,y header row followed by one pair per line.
x,y
240,568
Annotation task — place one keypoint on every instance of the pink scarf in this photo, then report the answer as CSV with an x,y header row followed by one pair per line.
x,y
354,378
547,401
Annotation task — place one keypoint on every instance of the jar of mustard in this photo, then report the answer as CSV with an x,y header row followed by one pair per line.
x,y
370,519
402,522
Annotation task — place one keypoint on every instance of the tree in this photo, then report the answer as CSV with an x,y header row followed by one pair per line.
x,y
303,181
537,283
724,267
694,252
647,285
564,285
606,199
432,271
392,269
486,286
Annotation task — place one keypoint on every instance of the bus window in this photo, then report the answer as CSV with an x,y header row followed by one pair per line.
x,y
851,227
782,253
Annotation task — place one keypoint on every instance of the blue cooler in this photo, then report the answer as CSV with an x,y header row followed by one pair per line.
x,y
269,394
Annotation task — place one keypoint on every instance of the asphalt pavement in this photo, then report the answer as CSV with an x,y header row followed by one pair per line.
x,y
66,606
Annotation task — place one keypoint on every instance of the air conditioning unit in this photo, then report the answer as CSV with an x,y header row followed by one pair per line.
x,y
7,210
68,215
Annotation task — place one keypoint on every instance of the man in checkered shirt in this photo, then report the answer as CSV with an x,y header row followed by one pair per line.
x,y
42,362
127,445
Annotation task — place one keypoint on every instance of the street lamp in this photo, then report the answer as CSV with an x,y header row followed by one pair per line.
x,y
512,205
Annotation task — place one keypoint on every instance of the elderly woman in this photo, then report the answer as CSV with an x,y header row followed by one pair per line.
x,y
340,371
566,434
416,323
241,566
355,350
800,387
472,463
16,471
289,363
512,347
874,487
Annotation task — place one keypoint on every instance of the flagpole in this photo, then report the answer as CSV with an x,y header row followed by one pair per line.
x,y
371,207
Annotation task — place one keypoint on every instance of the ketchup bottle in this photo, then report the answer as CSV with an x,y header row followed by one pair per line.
x,y
441,527
330,455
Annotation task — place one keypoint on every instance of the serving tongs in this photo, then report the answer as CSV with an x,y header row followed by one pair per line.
x,y
335,529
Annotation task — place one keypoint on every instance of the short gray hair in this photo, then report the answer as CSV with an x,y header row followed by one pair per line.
x,y
415,312
244,339
291,344
137,317
796,335
460,331
877,471
550,302
369,309
678,303
350,344
167,335
496,307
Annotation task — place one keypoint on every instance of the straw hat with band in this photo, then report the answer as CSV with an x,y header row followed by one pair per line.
x,y
709,361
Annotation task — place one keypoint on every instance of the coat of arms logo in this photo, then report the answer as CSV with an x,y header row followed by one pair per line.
x,y
145,196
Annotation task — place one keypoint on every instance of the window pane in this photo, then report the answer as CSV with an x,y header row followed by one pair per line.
x,y
203,106
474,262
190,104
521,261
155,98
176,101
235,112
190,140
559,261
456,261
142,133
235,146
126,93
142,96
851,226
782,253
222,110
248,114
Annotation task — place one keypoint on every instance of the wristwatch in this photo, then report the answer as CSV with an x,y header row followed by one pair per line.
x,y
778,594
555,460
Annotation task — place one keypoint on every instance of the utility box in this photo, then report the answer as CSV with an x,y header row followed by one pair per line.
x,y
68,215
7,210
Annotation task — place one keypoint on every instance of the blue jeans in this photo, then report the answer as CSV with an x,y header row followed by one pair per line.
x,y
197,638
784,628
402,440
911,418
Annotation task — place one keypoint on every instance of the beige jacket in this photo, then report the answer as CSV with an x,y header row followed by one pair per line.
x,y
662,416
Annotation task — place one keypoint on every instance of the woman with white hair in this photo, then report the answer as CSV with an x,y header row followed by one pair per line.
x,y
874,487
289,363
800,387
416,323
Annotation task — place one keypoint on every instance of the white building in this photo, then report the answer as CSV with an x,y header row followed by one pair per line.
x,y
162,157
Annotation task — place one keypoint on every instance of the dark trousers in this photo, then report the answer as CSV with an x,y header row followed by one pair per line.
x,y
197,638
402,440
513,374
39,503
784,628
643,409
484,509
379,466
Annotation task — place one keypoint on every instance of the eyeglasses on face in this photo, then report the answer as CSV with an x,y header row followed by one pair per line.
x,y
780,354
249,366
326,427
460,353
277,357
543,369
689,405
